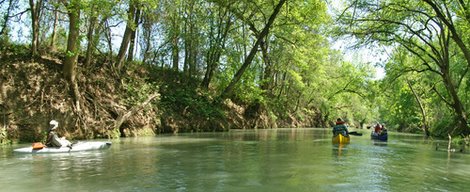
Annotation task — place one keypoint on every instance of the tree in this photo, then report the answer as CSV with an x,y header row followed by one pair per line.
x,y
36,9
445,13
149,19
92,22
220,24
52,46
73,49
414,27
228,90
422,109
7,15
172,24
130,54
133,16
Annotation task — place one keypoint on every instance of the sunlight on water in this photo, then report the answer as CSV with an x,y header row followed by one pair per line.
x,y
251,160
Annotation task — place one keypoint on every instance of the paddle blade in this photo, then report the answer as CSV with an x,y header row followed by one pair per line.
x,y
355,133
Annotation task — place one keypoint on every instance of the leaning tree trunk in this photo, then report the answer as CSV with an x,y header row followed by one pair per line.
x,y
126,38
122,118
6,17
266,78
421,107
228,90
457,106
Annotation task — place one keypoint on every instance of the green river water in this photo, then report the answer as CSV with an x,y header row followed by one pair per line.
x,y
243,160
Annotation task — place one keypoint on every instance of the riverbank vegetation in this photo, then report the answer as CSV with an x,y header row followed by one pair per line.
x,y
107,69
427,73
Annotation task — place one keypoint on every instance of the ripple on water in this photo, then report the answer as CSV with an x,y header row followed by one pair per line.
x,y
263,160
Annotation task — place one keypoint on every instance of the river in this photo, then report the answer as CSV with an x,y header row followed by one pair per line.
x,y
243,160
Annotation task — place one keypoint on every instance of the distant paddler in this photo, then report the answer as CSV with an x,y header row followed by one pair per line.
x,y
340,132
340,128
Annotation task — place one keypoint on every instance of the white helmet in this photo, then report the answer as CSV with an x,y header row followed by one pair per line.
x,y
54,124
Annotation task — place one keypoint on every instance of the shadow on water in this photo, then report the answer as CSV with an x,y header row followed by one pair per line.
x,y
379,143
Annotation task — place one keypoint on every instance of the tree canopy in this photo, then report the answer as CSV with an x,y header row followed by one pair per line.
x,y
276,58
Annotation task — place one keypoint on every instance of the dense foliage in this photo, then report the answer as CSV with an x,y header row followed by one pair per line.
x,y
220,64
426,81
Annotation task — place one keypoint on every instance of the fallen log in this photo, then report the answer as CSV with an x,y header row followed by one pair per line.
x,y
122,118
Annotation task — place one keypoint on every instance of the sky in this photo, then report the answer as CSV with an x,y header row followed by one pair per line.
x,y
363,55
375,56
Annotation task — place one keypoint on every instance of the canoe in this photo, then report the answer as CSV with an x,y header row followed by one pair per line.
x,y
340,139
80,146
381,136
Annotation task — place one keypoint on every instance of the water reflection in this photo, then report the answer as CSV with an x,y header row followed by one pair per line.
x,y
50,172
243,160
379,143
339,150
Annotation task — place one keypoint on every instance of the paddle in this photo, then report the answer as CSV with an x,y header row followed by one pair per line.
x,y
355,133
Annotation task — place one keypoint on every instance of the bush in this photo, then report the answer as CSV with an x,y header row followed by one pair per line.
x,y
189,102
442,127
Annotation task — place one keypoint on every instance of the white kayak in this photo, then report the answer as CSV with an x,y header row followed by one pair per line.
x,y
80,146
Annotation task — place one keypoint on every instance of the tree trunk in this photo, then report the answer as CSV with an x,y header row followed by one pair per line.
x,y
283,85
447,20
147,34
193,41
90,39
121,119
192,67
126,38
265,78
228,90
174,44
444,65
6,17
421,107
73,44
266,83
35,21
215,51
54,29
211,65
457,106
187,48
130,54
108,36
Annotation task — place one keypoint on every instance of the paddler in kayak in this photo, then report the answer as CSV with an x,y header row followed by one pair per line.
x,y
340,128
53,140
378,128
